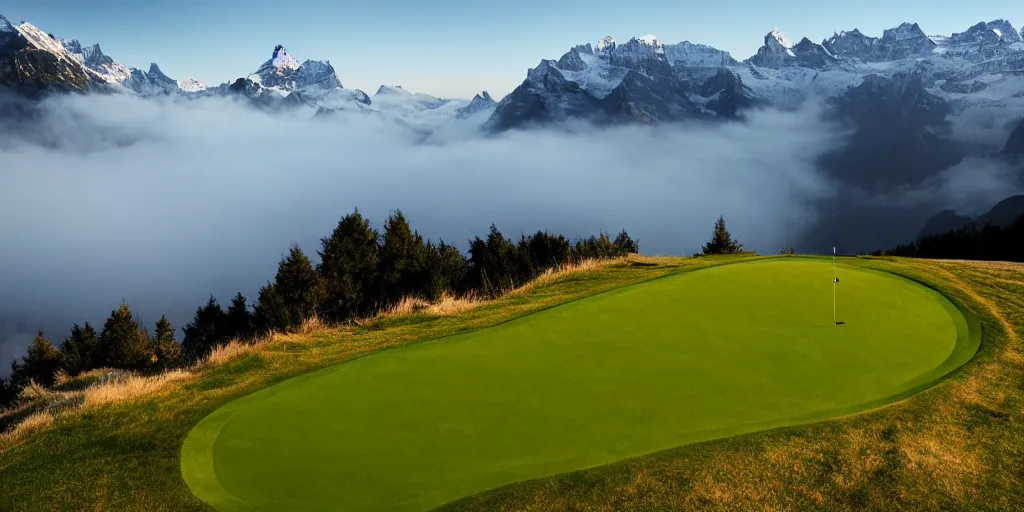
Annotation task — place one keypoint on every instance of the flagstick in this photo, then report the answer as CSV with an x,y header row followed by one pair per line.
x,y
835,279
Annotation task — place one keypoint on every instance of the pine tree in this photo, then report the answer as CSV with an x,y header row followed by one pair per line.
x,y
549,251
239,319
123,343
79,350
402,260
40,364
721,241
207,330
348,268
8,393
446,270
164,346
625,245
299,286
270,312
492,263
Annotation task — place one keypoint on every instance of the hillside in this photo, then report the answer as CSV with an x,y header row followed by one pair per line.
x,y
116,445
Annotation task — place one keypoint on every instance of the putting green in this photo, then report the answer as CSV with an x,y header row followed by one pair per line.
x,y
695,356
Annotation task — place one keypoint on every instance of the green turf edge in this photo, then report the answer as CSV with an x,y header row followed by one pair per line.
x,y
197,467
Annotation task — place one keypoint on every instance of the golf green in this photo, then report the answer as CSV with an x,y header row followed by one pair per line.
x,y
695,356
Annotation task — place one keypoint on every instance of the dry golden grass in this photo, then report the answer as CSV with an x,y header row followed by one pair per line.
x,y
32,392
32,423
232,350
448,304
132,388
38,405
311,325
555,275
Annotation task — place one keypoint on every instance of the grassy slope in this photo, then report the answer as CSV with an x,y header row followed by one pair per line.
x,y
961,442
126,456
956,446
698,356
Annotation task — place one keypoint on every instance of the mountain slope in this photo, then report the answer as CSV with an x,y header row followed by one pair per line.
x,y
33,63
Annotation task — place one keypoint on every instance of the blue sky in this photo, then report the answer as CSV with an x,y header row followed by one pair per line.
x,y
453,48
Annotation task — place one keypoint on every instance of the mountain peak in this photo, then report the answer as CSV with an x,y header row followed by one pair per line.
x,y
1004,29
74,45
94,56
191,85
480,102
903,32
5,24
650,39
606,43
281,59
779,38
391,89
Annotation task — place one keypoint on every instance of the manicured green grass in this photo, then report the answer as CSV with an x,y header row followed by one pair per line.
x,y
687,358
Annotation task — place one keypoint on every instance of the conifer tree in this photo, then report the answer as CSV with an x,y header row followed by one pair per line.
x,y
402,260
8,393
298,284
79,352
492,263
721,241
207,330
625,245
446,270
164,345
348,268
40,364
270,312
123,343
239,319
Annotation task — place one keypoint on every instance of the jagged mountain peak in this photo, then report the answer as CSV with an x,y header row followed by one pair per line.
x,y
391,89
905,31
651,39
74,45
479,103
154,70
281,59
1004,29
5,24
849,43
992,32
606,43
191,85
778,37
284,73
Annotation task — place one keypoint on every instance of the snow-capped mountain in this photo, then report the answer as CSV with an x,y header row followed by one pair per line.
x,y
987,57
191,85
480,103
145,83
34,63
282,82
